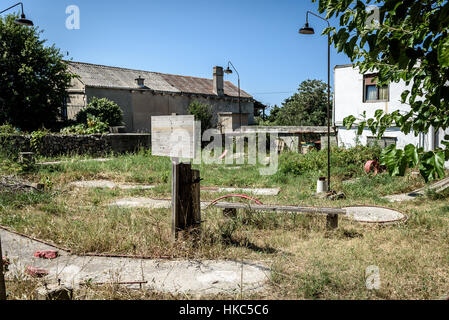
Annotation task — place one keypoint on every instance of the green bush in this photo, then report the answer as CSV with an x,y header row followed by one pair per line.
x,y
349,160
93,125
7,129
105,110
203,113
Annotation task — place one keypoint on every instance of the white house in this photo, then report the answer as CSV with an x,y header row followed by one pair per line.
x,y
355,93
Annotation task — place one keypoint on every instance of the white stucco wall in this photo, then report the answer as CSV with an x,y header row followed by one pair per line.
x,y
348,100
348,95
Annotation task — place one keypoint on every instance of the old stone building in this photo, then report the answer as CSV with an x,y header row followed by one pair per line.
x,y
142,94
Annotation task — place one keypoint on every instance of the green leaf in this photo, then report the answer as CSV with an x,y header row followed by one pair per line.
x,y
348,122
360,128
443,52
378,113
404,96
432,165
411,154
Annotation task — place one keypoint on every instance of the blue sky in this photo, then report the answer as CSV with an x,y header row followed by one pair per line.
x,y
190,37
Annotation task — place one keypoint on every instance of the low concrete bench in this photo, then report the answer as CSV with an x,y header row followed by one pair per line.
x,y
230,208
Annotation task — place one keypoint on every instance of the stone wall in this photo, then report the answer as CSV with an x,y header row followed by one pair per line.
x,y
96,145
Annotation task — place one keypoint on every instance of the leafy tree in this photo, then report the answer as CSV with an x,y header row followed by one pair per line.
x,y
203,113
33,78
307,107
105,110
409,42
273,114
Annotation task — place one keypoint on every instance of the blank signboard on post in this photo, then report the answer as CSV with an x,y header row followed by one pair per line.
x,y
173,136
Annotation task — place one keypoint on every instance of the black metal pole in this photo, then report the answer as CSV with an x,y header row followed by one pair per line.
x,y
240,107
17,4
328,113
328,98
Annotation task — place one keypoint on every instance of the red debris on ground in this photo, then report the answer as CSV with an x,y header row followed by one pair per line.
x,y
36,272
372,164
47,254
5,263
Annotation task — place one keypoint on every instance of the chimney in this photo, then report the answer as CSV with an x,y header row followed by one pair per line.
x,y
218,81
140,82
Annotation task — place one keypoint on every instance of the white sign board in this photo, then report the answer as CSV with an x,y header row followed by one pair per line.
x,y
173,136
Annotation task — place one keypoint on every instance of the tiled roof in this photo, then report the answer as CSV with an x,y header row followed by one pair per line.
x,y
99,76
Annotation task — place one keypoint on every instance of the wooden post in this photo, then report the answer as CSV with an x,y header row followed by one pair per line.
x,y
332,221
196,198
174,197
2,277
186,205
230,212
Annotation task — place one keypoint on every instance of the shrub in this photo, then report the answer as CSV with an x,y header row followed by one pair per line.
x,y
93,125
105,110
349,160
7,129
203,113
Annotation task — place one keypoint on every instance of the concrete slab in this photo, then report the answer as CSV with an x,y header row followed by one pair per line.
x,y
204,277
149,203
106,184
255,191
142,203
374,214
87,160
403,197
439,186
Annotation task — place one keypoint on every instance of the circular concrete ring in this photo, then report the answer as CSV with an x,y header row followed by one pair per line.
x,y
374,214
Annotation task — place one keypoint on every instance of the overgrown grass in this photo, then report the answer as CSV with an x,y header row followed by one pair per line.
x,y
307,260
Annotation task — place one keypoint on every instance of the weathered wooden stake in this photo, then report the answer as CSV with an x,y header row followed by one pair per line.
x,y
26,157
332,221
2,277
174,197
186,206
196,201
230,212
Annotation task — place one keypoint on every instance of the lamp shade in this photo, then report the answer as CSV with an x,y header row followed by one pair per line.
x,y
23,21
228,71
306,30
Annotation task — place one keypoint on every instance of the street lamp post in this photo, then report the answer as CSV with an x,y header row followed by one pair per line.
x,y
22,20
229,71
309,30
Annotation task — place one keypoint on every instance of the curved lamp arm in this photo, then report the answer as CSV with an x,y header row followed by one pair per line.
x,y
230,64
17,4
314,14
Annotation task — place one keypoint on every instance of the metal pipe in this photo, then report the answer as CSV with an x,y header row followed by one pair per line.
x,y
20,3
240,107
328,98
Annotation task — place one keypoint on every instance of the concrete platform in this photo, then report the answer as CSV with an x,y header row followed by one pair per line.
x,y
254,191
438,186
106,184
148,203
174,276
370,214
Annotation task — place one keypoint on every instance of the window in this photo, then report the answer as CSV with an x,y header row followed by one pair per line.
x,y
382,142
371,92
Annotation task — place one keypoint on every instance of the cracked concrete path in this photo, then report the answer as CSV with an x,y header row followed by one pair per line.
x,y
437,187
106,184
171,276
71,161
148,203
254,191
